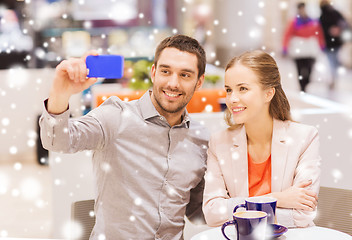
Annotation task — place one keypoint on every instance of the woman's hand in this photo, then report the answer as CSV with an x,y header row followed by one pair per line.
x,y
297,197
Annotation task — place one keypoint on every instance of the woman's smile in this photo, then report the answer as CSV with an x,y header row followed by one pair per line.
x,y
236,110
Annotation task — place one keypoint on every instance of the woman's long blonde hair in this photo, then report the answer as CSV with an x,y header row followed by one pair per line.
x,y
265,67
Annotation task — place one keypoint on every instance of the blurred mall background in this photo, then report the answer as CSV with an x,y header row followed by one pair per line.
x,y
37,187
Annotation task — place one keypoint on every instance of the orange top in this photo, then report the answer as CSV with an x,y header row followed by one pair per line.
x,y
259,177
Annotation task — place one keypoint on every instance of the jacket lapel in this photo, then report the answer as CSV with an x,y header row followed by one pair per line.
x,y
279,149
239,162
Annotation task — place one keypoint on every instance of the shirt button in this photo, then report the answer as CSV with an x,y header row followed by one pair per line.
x,y
161,118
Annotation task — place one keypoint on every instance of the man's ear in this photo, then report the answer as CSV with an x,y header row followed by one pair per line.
x,y
270,92
152,73
200,82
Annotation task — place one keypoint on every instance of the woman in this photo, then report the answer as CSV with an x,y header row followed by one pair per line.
x,y
263,152
303,41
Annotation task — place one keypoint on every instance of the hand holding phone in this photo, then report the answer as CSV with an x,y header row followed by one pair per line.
x,y
105,66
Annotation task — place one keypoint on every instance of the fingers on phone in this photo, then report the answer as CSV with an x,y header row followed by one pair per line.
x,y
82,71
77,70
70,71
91,52
90,82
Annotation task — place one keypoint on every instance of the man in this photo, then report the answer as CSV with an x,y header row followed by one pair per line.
x,y
149,156
333,23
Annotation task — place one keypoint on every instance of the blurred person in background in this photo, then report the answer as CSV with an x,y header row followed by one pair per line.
x,y
303,41
333,24
14,44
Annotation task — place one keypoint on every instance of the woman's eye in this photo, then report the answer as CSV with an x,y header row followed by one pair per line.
x,y
228,90
243,88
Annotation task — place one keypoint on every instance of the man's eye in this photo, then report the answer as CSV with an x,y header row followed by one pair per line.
x,y
164,71
185,75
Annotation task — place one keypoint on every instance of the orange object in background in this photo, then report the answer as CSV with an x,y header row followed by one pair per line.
x,y
203,100
206,100
125,96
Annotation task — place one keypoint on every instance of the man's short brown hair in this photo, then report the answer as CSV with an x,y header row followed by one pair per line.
x,y
186,44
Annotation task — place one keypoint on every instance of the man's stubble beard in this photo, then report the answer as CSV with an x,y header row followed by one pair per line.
x,y
180,107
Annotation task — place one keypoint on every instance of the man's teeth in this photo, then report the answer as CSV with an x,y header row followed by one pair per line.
x,y
171,94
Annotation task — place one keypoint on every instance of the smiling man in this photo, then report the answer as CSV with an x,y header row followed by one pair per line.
x,y
175,77
149,155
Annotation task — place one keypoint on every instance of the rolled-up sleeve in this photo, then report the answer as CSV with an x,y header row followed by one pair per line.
x,y
194,208
60,133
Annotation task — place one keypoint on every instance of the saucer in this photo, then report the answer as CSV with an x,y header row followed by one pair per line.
x,y
275,230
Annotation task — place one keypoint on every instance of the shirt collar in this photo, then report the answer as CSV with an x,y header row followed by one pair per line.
x,y
148,110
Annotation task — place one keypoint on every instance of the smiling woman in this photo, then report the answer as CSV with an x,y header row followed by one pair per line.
x,y
245,98
251,158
